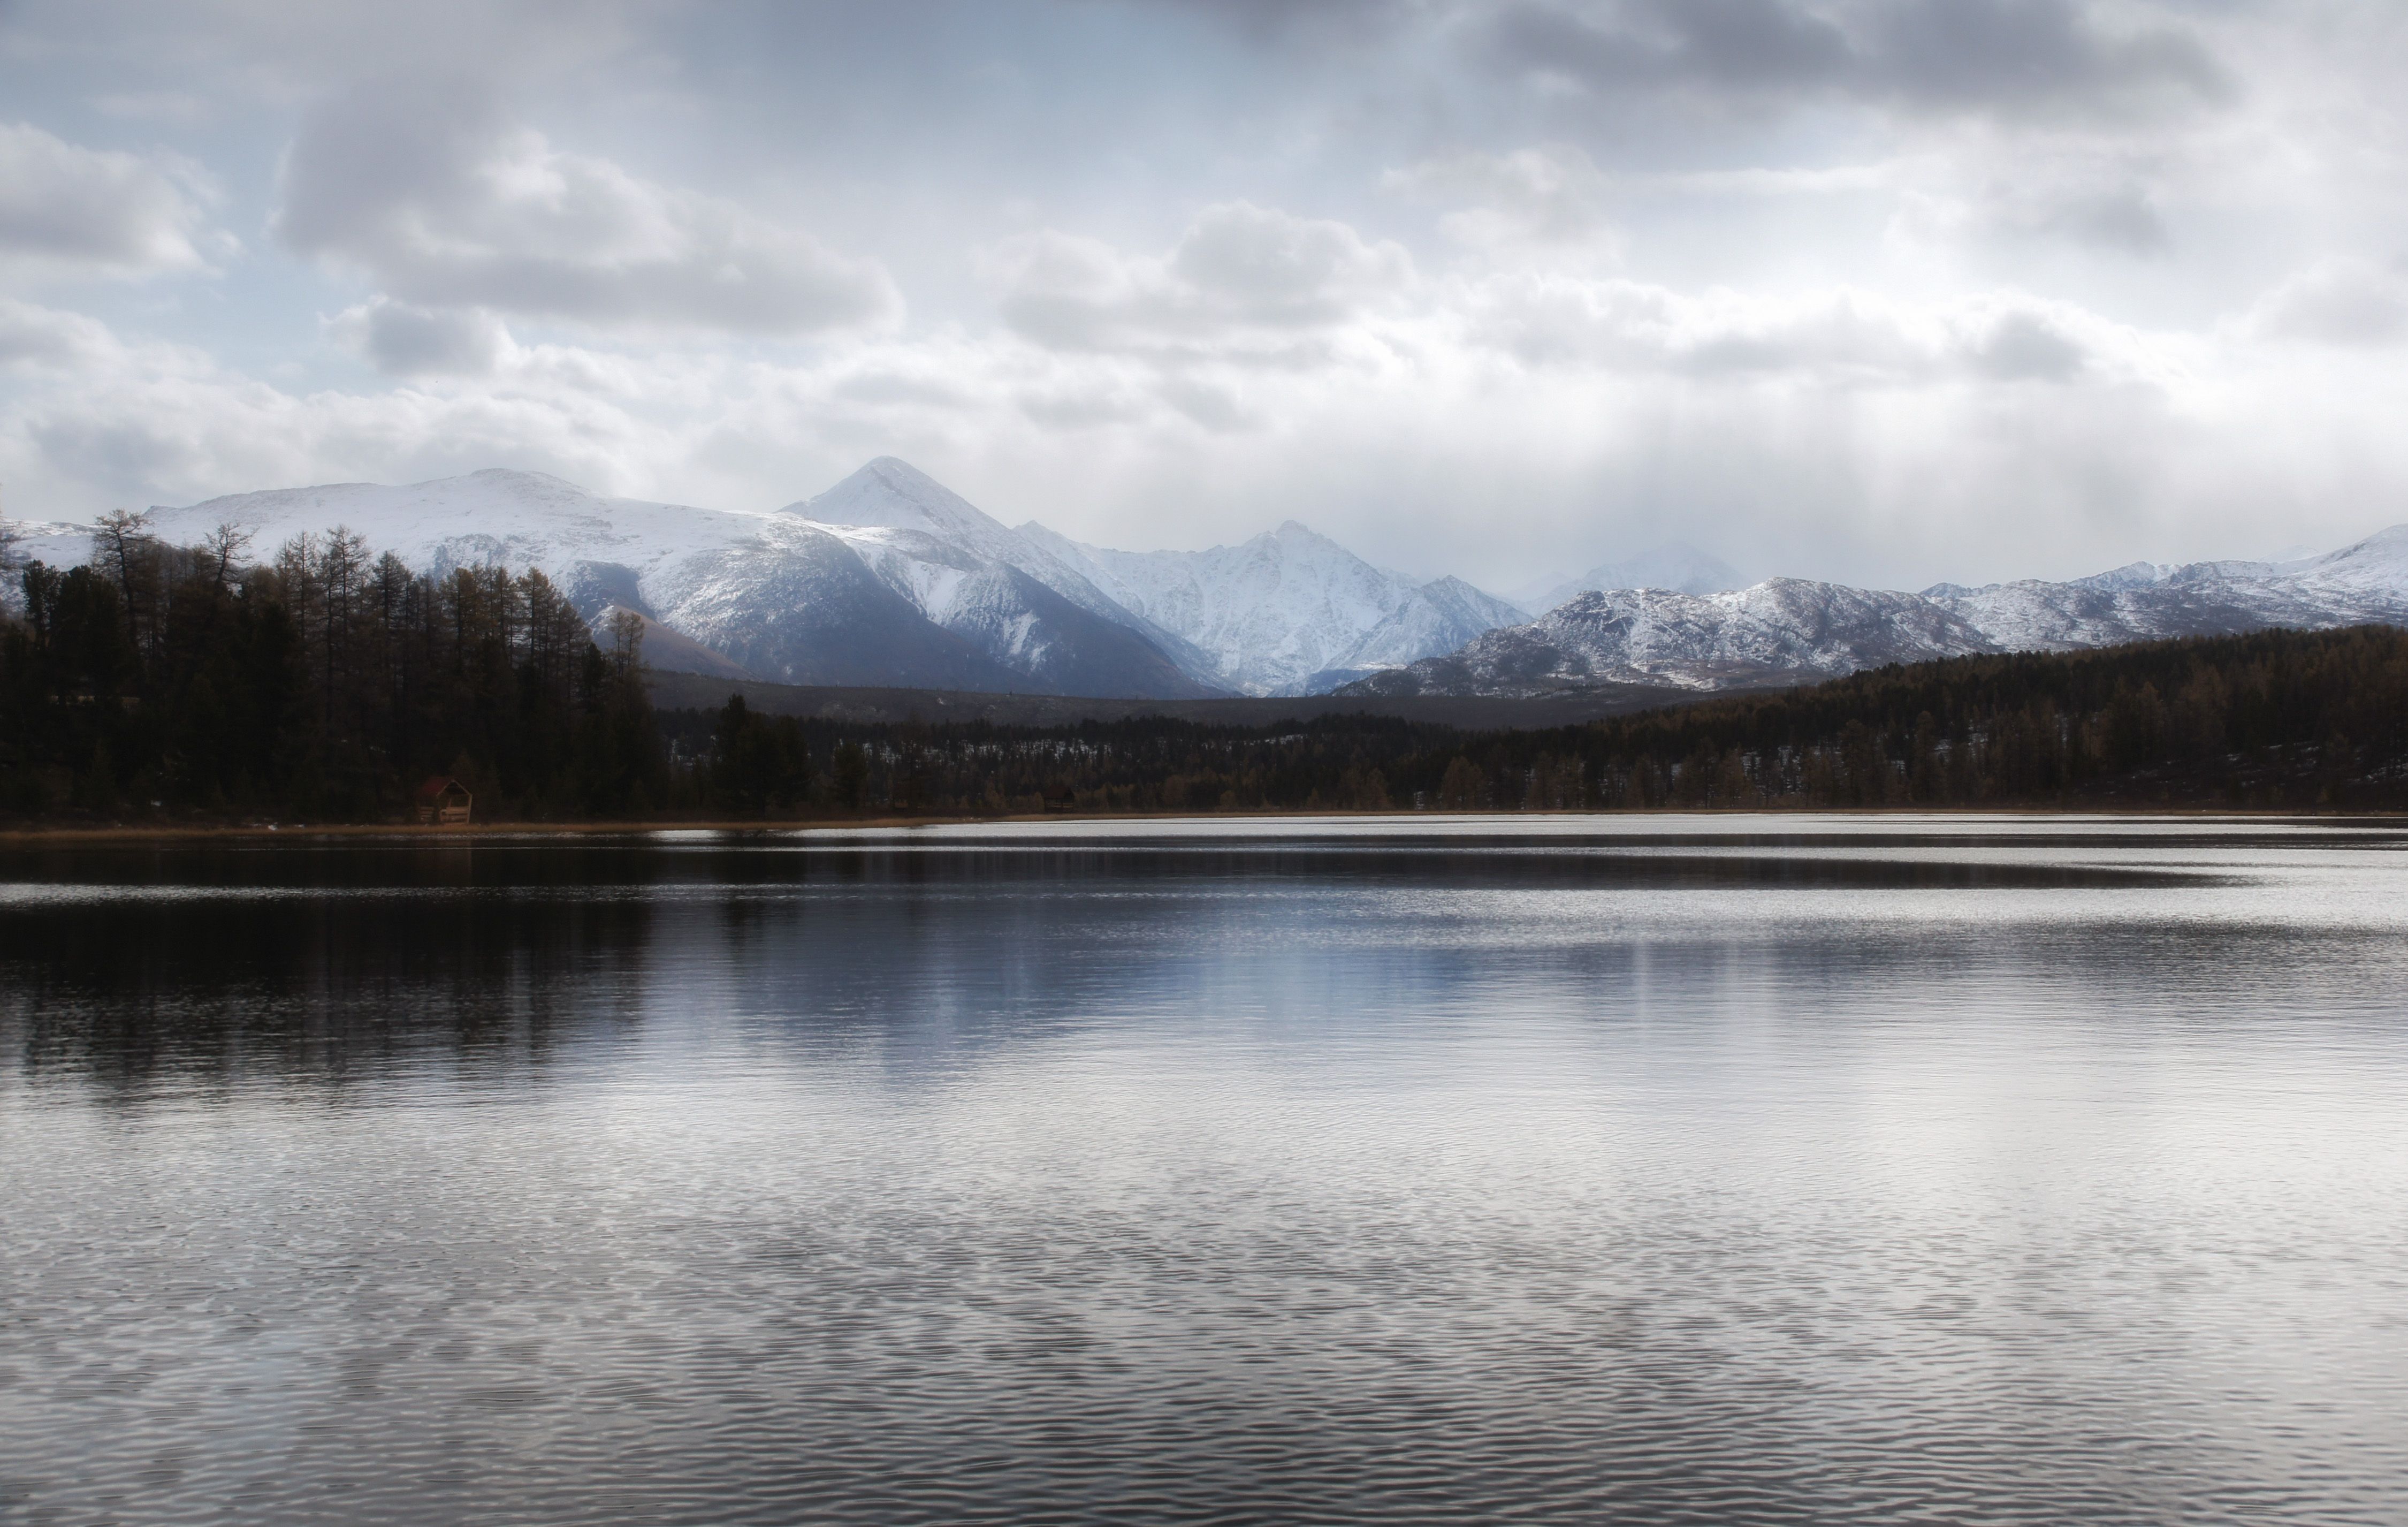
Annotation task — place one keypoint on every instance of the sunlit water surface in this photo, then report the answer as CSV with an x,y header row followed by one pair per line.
x,y
1711,1169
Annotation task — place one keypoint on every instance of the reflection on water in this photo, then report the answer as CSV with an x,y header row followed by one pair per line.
x,y
1664,1169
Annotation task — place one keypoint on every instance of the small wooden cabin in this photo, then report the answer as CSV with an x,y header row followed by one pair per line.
x,y
443,802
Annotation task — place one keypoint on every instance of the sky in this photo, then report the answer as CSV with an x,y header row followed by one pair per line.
x,y
1882,291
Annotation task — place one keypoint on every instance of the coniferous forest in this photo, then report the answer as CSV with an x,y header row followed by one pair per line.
x,y
324,682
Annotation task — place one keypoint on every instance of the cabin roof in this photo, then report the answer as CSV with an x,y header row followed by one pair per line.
x,y
437,785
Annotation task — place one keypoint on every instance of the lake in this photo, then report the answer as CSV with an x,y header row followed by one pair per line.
x,y
1712,1169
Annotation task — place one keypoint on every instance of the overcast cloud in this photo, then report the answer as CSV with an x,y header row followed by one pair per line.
x,y
1883,290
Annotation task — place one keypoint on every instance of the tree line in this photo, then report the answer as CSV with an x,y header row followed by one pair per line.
x,y
2274,720
325,681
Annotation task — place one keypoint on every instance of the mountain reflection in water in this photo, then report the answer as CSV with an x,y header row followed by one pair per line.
x,y
1665,1169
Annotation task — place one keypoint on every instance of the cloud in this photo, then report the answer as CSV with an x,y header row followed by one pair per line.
x,y
240,53
2342,301
1309,20
403,340
94,420
1241,277
75,210
1551,196
1842,338
432,194
2114,217
2001,57
1851,280
34,337
1838,433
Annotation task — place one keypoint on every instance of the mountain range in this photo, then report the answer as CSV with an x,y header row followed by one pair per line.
x,y
891,580
1789,630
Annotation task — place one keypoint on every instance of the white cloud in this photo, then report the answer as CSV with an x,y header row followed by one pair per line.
x,y
1835,433
2340,301
432,194
1838,338
2085,206
34,339
1549,195
73,211
1242,280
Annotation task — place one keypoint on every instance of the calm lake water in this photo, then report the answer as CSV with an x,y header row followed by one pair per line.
x,y
1699,1170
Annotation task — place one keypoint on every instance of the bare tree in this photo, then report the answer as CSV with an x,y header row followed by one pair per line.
x,y
626,631
225,546
121,548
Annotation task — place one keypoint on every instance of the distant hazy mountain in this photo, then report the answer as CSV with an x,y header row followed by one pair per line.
x,y
1675,565
1788,630
1290,612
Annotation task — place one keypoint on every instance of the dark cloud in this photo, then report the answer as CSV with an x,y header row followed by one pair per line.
x,y
2003,57
2015,55
1751,44
2125,219
403,340
1311,21
2025,347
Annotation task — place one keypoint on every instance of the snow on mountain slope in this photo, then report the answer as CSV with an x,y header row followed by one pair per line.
x,y
1782,629
772,593
518,519
1289,611
797,605
894,495
1005,595
1676,565
2367,581
2373,570
1436,617
890,579
1791,629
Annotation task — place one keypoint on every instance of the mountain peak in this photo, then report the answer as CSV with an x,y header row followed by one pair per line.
x,y
891,492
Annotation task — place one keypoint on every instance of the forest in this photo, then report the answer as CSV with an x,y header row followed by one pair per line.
x,y
321,683
2284,720
324,682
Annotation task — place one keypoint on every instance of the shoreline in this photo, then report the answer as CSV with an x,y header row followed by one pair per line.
x,y
190,832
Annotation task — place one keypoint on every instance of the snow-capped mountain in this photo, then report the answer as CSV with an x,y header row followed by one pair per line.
x,y
2367,581
521,520
889,578
776,595
1785,628
1003,594
1676,565
1789,630
1290,612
